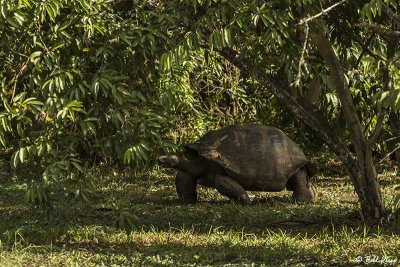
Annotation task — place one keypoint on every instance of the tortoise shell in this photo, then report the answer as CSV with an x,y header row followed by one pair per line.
x,y
251,151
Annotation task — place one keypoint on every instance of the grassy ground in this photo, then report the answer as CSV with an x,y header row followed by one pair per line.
x,y
271,232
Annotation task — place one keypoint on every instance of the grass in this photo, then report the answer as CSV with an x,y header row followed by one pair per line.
x,y
272,231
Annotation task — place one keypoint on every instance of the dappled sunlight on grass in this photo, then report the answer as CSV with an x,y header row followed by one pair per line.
x,y
272,230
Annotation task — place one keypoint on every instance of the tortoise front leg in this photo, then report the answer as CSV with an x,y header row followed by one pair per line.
x,y
186,187
230,188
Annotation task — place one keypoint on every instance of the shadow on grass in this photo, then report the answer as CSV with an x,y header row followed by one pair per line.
x,y
208,254
280,250
155,203
253,219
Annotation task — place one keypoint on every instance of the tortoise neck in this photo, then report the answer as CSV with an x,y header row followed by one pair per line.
x,y
193,167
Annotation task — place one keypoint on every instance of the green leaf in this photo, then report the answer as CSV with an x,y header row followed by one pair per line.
x,y
35,55
22,154
228,37
126,221
3,139
57,46
4,9
127,156
77,166
15,159
33,101
20,19
20,129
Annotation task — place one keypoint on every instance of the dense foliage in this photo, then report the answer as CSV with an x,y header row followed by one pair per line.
x,y
85,82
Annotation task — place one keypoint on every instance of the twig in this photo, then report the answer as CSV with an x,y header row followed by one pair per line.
x,y
391,139
324,11
301,61
390,153
379,29
16,77
390,12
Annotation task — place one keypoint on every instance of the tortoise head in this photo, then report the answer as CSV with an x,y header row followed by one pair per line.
x,y
170,161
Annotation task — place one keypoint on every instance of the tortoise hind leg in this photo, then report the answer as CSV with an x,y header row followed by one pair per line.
x,y
230,188
303,191
290,184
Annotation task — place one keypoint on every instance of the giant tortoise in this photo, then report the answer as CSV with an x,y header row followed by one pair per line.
x,y
239,158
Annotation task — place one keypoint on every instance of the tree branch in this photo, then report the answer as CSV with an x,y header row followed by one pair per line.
x,y
324,11
379,30
300,107
325,48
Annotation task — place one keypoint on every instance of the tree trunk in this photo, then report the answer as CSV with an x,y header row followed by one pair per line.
x,y
314,91
363,170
